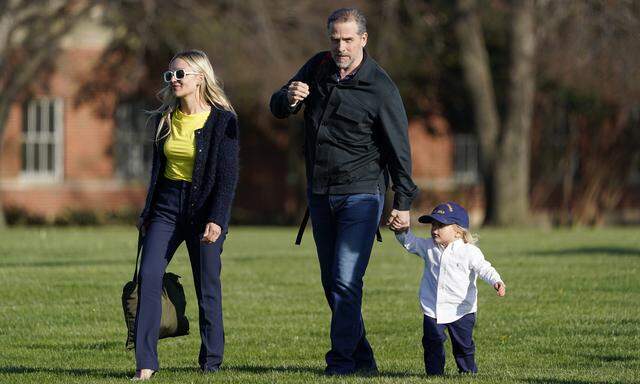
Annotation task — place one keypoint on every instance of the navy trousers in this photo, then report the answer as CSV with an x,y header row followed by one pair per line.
x,y
344,228
167,229
461,332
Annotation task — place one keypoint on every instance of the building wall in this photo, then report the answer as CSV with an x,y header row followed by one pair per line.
x,y
88,179
432,156
53,200
431,149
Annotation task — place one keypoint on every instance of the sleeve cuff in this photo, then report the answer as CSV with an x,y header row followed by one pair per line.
x,y
401,203
402,236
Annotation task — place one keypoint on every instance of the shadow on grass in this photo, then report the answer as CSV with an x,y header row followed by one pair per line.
x,y
608,251
610,358
261,369
94,372
99,346
547,380
264,369
80,262
268,369
251,369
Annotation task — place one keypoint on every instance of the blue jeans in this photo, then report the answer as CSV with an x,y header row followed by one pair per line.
x,y
344,228
168,228
461,332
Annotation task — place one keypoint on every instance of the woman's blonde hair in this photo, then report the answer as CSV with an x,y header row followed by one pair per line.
x,y
211,91
467,237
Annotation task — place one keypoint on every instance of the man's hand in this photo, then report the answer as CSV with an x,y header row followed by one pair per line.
x,y
500,288
399,221
297,92
211,233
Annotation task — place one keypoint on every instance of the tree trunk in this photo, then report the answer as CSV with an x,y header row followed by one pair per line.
x,y
295,182
477,75
512,166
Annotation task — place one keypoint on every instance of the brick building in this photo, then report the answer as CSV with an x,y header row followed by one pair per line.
x,y
58,153
65,151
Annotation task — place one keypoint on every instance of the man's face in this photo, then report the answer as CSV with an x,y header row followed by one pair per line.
x,y
346,45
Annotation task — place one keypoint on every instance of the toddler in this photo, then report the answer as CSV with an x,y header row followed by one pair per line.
x,y
448,293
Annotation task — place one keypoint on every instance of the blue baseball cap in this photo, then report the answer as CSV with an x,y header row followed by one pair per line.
x,y
447,213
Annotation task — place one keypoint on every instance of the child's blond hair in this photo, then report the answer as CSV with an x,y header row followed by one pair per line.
x,y
467,237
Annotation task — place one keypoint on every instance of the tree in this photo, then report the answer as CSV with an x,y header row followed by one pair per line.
x,y
504,146
590,93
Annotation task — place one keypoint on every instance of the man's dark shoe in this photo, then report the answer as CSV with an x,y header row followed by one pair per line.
x,y
209,370
331,371
368,368
370,371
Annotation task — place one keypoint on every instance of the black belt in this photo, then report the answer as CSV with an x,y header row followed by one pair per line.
x,y
303,225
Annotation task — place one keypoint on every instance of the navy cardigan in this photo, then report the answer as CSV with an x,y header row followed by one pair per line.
x,y
215,170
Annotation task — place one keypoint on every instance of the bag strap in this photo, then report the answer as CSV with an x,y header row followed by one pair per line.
x,y
135,271
303,225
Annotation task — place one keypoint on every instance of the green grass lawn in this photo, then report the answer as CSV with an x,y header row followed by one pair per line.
x,y
571,314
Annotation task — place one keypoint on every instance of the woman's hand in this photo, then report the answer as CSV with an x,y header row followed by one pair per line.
x,y
211,233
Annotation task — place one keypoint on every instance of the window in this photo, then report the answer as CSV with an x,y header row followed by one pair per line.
x,y
134,142
465,159
42,139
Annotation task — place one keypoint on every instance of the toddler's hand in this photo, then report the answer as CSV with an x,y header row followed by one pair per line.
x,y
399,220
500,288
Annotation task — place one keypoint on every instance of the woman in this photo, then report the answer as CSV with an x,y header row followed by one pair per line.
x,y
193,181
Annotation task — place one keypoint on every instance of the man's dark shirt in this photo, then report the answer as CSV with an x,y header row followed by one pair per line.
x,y
355,130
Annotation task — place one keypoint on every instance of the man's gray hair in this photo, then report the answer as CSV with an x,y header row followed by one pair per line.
x,y
347,14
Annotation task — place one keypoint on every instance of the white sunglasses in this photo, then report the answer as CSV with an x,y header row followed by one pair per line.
x,y
178,73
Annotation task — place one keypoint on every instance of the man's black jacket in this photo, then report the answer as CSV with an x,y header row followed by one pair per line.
x,y
215,171
355,130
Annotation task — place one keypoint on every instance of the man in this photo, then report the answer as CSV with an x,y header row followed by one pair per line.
x,y
355,138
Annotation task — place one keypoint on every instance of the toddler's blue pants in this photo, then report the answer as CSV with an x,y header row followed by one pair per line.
x,y
461,332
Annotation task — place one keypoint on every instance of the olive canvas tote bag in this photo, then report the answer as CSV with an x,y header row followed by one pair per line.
x,y
173,321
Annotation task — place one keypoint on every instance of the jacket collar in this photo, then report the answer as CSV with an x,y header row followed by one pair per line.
x,y
454,245
365,70
363,75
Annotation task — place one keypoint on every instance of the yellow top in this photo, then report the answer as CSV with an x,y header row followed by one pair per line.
x,y
180,148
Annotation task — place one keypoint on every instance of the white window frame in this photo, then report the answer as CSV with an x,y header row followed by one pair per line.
x,y
131,139
33,140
